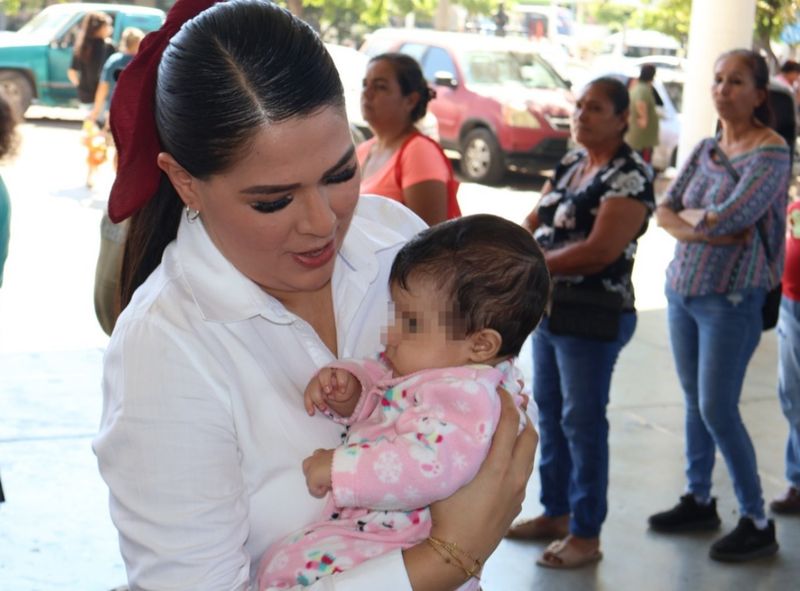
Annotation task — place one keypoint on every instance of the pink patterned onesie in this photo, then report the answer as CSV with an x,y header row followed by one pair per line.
x,y
413,440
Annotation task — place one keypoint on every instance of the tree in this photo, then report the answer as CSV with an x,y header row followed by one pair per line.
x,y
672,17
771,18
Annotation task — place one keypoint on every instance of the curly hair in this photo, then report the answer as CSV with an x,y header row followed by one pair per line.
x,y
8,134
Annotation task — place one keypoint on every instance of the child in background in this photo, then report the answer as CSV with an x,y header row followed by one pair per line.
x,y
113,66
466,294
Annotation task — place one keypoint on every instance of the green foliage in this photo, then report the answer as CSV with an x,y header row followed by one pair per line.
x,y
773,15
13,7
487,7
615,16
671,17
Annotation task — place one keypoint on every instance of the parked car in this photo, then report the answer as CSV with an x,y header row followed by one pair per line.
x,y
499,104
667,93
352,67
35,59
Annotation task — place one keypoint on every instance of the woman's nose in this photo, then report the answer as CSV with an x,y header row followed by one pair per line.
x,y
319,218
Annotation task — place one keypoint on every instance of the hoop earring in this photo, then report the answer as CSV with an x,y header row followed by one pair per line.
x,y
191,214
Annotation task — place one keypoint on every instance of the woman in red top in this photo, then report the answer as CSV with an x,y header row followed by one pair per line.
x,y
400,163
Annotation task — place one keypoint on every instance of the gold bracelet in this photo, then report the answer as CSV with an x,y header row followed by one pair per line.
x,y
448,550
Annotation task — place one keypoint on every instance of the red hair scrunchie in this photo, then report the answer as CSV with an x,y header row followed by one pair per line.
x,y
132,116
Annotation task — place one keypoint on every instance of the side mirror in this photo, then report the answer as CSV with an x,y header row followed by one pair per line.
x,y
445,79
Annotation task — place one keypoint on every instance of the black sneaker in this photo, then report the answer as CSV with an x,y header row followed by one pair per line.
x,y
688,515
746,542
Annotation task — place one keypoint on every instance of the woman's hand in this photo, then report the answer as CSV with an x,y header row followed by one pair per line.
x,y
478,515
73,76
743,237
681,227
676,226
692,216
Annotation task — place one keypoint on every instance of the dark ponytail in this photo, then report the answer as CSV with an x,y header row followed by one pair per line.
x,y
410,78
230,71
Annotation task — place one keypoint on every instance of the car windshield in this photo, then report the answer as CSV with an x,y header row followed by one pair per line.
x,y
510,68
47,24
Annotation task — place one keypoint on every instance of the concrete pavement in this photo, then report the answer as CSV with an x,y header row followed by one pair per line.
x,y
55,534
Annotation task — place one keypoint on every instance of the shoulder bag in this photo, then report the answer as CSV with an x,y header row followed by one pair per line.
x,y
580,311
453,210
772,302
589,313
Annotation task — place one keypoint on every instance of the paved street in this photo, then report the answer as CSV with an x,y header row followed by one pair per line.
x,y
55,534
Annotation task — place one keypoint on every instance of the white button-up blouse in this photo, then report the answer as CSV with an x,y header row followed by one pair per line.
x,y
203,429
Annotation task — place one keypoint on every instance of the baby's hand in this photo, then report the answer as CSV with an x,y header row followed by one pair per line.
x,y
332,387
317,469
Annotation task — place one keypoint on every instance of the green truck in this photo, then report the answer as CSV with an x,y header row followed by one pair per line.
x,y
35,59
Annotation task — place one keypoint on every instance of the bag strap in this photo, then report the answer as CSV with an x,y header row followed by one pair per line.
x,y
453,209
761,229
761,223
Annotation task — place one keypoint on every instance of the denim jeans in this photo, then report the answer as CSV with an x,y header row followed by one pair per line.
x,y
713,338
789,382
571,382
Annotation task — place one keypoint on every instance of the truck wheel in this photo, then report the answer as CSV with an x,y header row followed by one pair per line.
x,y
481,158
17,90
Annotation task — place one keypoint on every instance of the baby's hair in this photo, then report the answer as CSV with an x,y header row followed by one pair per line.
x,y
492,271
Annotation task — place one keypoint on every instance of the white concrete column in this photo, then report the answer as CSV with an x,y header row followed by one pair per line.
x,y
716,26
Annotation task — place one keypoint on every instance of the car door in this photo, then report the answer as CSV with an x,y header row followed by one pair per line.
x,y
59,58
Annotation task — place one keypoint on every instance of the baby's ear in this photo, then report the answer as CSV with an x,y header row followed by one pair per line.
x,y
484,345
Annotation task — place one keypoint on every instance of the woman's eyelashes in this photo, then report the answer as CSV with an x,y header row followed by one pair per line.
x,y
276,205
272,206
342,176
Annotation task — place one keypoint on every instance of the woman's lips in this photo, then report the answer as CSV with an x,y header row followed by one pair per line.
x,y
316,258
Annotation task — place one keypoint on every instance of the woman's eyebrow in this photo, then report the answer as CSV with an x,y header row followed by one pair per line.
x,y
271,189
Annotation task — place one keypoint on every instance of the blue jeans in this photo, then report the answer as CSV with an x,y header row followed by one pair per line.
x,y
713,338
789,382
571,381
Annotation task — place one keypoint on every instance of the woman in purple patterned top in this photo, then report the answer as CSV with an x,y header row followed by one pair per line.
x,y
727,211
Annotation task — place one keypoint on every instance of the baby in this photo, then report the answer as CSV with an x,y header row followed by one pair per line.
x,y
466,294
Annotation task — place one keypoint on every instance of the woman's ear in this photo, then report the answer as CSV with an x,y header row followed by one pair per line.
x,y
184,183
484,345
411,101
764,94
624,117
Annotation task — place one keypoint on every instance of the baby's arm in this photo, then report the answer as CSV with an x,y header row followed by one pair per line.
x,y
339,389
333,388
434,447
317,470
